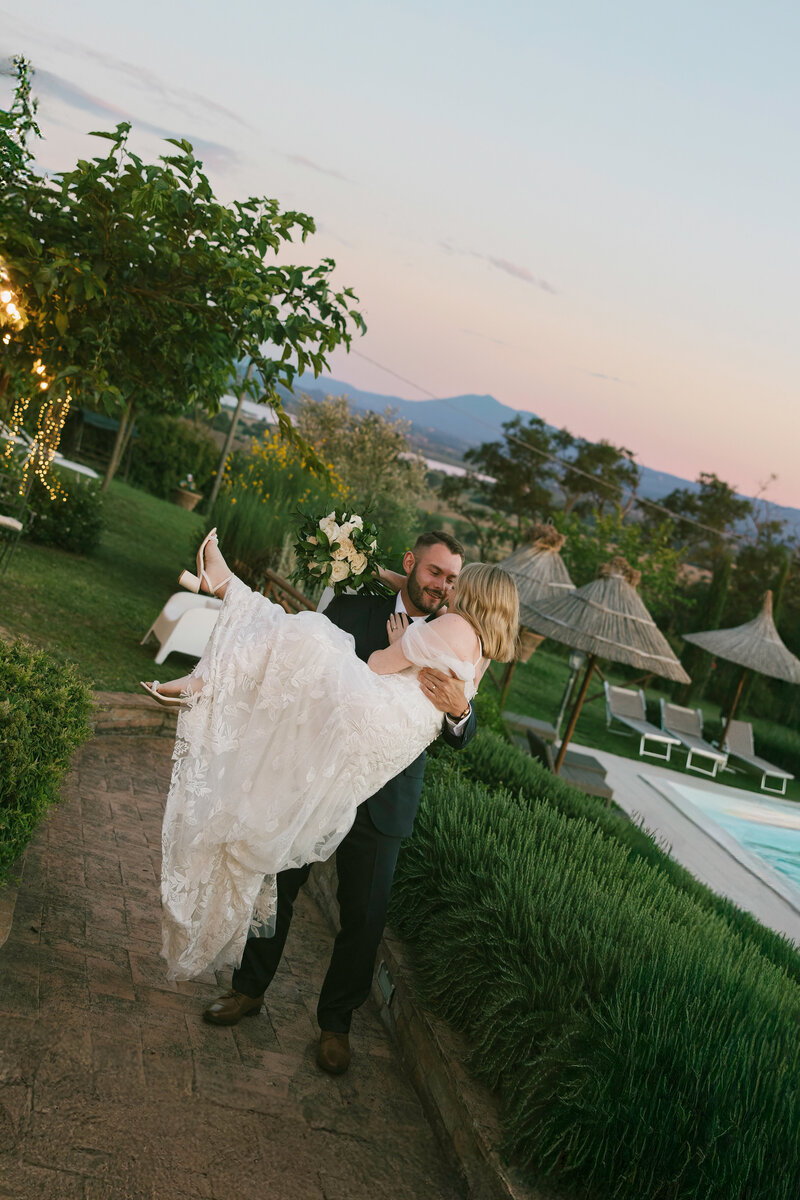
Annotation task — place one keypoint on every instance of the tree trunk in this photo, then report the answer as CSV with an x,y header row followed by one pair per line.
x,y
125,426
226,449
576,712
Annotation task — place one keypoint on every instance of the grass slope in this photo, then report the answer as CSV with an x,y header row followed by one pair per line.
x,y
94,610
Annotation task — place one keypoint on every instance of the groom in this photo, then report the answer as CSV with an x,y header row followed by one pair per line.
x,y
366,858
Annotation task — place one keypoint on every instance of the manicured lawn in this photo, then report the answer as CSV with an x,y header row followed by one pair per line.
x,y
536,691
94,610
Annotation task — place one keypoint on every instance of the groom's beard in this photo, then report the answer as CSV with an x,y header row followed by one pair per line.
x,y
427,600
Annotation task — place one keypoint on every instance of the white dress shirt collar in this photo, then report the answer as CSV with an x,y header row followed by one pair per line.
x,y
399,607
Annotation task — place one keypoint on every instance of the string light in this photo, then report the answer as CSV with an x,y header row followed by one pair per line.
x,y
49,425
9,311
52,415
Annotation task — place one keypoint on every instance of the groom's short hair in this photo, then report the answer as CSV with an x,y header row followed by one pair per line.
x,y
438,537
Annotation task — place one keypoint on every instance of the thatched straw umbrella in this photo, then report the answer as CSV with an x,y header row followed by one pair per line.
x,y
606,619
756,646
539,573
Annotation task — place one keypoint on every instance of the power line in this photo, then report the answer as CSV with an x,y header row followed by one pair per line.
x,y
640,501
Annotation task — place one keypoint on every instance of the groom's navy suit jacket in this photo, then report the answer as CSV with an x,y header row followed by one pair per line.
x,y
394,807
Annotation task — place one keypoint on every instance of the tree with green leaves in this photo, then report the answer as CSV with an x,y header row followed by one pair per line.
x,y
713,511
592,542
596,477
372,457
519,478
139,290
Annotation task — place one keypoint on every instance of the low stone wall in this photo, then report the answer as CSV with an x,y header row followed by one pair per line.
x,y
128,712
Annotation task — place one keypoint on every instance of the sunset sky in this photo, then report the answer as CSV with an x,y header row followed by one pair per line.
x,y
587,210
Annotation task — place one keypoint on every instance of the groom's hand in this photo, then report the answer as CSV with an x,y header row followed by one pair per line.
x,y
445,692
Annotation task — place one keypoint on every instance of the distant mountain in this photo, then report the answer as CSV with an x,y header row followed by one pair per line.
x,y
464,421
446,428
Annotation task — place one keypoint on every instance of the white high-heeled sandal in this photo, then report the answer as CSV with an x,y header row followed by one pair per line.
x,y
194,583
160,698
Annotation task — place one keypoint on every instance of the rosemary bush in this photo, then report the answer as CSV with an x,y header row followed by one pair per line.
x,y
642,1047
491,761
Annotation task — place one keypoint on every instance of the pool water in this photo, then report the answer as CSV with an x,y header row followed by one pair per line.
x,y
768,828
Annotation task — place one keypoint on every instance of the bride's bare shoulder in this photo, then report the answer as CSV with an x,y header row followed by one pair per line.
x,y
458,633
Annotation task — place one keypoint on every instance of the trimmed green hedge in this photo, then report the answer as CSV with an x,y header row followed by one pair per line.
x,y
643,1043
44,717
72,521
166,450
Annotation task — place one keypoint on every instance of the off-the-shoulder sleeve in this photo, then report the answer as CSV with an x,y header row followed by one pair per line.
x,y
424,647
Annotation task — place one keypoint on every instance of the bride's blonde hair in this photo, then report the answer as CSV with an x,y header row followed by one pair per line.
x,y
487,597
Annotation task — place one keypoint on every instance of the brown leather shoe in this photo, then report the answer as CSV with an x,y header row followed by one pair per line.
x,y
333,1052
230,1008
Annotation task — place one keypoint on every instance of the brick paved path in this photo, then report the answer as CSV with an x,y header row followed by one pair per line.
x,y
112,1088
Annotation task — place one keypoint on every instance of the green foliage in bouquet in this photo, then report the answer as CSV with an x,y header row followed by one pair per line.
x,y
339,552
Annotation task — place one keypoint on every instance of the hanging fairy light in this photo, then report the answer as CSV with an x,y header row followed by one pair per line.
x,y
52,414
9,309
49,426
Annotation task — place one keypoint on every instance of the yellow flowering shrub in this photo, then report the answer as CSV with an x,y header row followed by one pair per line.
x,y
262,492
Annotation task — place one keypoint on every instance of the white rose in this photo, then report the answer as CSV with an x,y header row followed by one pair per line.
x,y
345,549
329,527
339,571
346,528
312,540
356,521
358,563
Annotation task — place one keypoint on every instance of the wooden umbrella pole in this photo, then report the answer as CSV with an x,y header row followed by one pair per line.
x,y
506,684
576,712
732,712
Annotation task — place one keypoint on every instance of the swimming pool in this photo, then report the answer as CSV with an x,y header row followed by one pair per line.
x,y
764,834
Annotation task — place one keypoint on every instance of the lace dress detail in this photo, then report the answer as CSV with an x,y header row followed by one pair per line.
x,y
288,734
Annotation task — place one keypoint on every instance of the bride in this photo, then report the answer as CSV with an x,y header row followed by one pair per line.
x,y
282,733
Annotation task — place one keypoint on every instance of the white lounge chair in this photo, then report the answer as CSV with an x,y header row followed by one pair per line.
x,y
739,745
184,624
628,707
686,724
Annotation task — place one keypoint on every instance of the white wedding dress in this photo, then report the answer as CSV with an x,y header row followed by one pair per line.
x,y
289,732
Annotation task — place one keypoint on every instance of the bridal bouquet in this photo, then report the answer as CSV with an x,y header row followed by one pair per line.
x,y
339,551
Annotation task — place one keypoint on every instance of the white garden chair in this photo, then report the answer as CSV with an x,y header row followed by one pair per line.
x,y
184,624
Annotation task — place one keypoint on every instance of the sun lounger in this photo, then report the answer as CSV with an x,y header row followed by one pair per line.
x,y
184,624
739,745
628,708
686,724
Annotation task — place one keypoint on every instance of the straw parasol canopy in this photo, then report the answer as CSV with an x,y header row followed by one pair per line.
x,y
606,619
756,646
538,568
538,571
